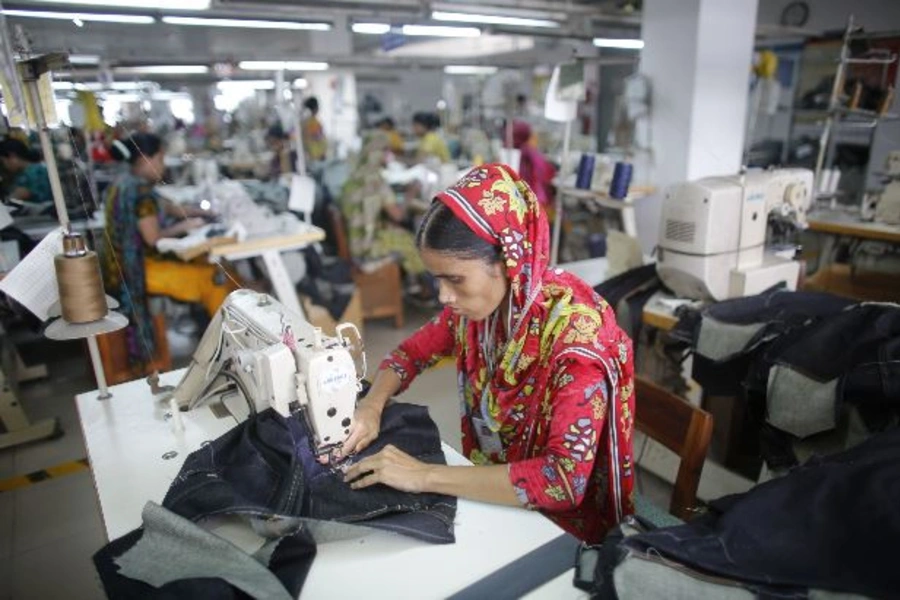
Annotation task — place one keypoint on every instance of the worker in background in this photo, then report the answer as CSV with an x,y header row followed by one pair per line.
x,y
284,159
29,181
314,143
546,376
136,219
395,140
534,168
431,144
376,222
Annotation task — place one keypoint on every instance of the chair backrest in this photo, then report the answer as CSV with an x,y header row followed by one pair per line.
x,y
341,243
682,428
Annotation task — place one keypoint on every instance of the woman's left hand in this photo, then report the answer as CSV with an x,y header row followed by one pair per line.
x,y
393,468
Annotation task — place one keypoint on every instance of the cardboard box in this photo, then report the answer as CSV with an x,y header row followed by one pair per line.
x,y
320,317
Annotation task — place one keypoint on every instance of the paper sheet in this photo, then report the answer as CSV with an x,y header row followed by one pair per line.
x,y
33,282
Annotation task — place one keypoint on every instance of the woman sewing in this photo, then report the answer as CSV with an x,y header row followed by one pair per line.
x,y
29,179
431,144
136,219
545,373
375,220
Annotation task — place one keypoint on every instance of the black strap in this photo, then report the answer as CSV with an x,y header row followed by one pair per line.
x,y
526,573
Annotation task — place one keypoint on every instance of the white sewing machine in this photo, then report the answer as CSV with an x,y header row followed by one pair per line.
x,y
713,233
276,359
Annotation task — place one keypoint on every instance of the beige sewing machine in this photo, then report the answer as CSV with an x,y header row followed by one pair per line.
x,y
274,358
713,233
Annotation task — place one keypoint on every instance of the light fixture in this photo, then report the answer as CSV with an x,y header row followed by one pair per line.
x,y
282,65
84,59
246,23
460,17
624,44
163,70
440,31
300,84
469,70
371,28
255,84
86,17
155,4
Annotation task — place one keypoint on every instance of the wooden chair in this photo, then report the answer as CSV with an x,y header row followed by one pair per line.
x,y
682,428
114,354
382,288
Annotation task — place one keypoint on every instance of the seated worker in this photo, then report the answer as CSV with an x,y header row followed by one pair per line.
x,y
375,221
395,140
431,144
314,143
546,376
29,179
285,159
132,266
534,167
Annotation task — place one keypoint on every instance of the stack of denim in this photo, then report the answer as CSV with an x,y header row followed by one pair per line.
x,y
264,470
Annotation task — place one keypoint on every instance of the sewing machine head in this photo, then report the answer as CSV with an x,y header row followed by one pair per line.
x,y
276,359
713,232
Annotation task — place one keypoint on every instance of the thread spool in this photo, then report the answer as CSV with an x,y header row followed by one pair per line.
x,y
621,180
81,295
585,172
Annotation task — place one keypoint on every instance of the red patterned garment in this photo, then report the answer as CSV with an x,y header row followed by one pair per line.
x,y
562,396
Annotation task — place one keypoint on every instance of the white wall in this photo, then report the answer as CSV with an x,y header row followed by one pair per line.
x,y
873,15
697,55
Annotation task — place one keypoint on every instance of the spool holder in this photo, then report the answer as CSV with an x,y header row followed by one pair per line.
x,y
74,245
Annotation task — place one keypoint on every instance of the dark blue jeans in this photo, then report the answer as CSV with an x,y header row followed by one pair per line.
x,y
265,468
830,524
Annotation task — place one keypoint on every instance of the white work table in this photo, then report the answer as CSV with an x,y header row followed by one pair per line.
x,y
128,435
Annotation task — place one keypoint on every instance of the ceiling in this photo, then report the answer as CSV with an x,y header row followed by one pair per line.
x,y
161,43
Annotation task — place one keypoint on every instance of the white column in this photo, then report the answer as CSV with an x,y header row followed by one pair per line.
x,y
697,55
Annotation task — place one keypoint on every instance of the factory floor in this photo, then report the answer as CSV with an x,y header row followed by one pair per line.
x,y
50,528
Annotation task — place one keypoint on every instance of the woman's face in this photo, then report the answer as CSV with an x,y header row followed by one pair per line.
x,y
419,129
151,168
13,164
470,287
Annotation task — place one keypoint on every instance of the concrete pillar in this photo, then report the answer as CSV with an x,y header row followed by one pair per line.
x,y
697,55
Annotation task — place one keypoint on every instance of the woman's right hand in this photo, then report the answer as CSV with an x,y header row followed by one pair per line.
x,y
365,428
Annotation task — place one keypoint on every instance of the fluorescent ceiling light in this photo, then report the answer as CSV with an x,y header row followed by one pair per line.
x,y
255,84
157,4
163,70
66,16
491,19
282,65
469,70
300,84
246,23
371,28
84,59
619,43
440,31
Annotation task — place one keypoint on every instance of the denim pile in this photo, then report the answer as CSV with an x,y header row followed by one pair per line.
x,y
264,471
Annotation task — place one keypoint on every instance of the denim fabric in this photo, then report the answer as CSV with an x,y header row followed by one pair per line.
x,y
290,563
265,468
831,524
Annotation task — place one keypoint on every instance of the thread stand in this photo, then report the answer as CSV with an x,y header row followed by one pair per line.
x,y
84,308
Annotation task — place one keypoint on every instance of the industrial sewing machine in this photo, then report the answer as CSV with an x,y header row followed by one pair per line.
x,y
274,358
713,234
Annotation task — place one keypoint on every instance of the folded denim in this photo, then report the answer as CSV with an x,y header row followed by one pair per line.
x,y
265,468
831,524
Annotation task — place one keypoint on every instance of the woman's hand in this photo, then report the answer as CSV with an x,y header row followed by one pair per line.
x,y
365,428
393,468
186,225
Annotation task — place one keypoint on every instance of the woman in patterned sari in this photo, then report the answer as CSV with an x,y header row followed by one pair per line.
x,y
374,218
545,374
